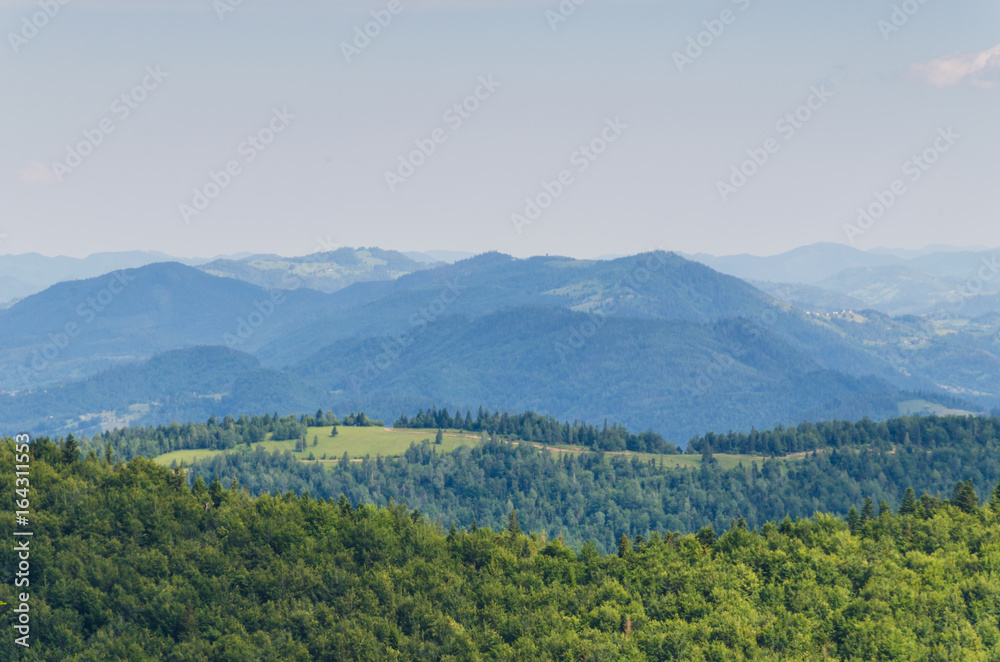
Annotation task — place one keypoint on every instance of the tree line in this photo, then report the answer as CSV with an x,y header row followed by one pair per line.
x,y
929,431
530,426
215,434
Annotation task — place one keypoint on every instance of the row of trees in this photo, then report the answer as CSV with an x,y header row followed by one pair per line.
x,y
925,431
530,426
216,434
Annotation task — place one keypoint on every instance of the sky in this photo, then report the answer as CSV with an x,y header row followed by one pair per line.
x,y
580,127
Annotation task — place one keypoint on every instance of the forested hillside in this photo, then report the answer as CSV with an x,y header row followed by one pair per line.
x,y
927,431
598,497
131,563
595,496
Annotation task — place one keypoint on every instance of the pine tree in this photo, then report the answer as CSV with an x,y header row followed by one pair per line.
x,y
216,492
868,511
439,437
853,520
625,546
70,450
513,526
995,500
964,497
909,504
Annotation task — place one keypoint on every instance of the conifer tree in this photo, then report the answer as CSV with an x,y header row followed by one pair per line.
x,y
909,503
853,520
624,546
70,450
964,497
995,500
513,526
868,511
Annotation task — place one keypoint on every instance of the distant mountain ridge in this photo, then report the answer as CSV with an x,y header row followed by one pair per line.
x,y
30,273
653,341
326,271
925,282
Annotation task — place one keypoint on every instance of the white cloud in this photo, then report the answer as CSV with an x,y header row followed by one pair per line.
x,y
981,69
36,172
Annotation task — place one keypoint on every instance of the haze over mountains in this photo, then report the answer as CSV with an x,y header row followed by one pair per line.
x,y
829,277
653,341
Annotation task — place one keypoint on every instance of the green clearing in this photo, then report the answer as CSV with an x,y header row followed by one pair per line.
x,y
694,461
359,442
186,456
668,461
390,442
356,442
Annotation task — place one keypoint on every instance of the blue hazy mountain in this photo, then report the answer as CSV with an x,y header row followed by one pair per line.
x,y
653,340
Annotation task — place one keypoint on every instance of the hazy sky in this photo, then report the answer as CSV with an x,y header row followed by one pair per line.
x,y
670,118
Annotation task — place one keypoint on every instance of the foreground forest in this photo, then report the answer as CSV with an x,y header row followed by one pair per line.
x,y
131,563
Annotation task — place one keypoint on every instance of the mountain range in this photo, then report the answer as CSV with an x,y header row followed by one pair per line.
x,y
27,274
653,341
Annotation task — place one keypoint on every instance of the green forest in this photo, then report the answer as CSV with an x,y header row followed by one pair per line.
x,y
132,563
600,496
596,496
530,426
